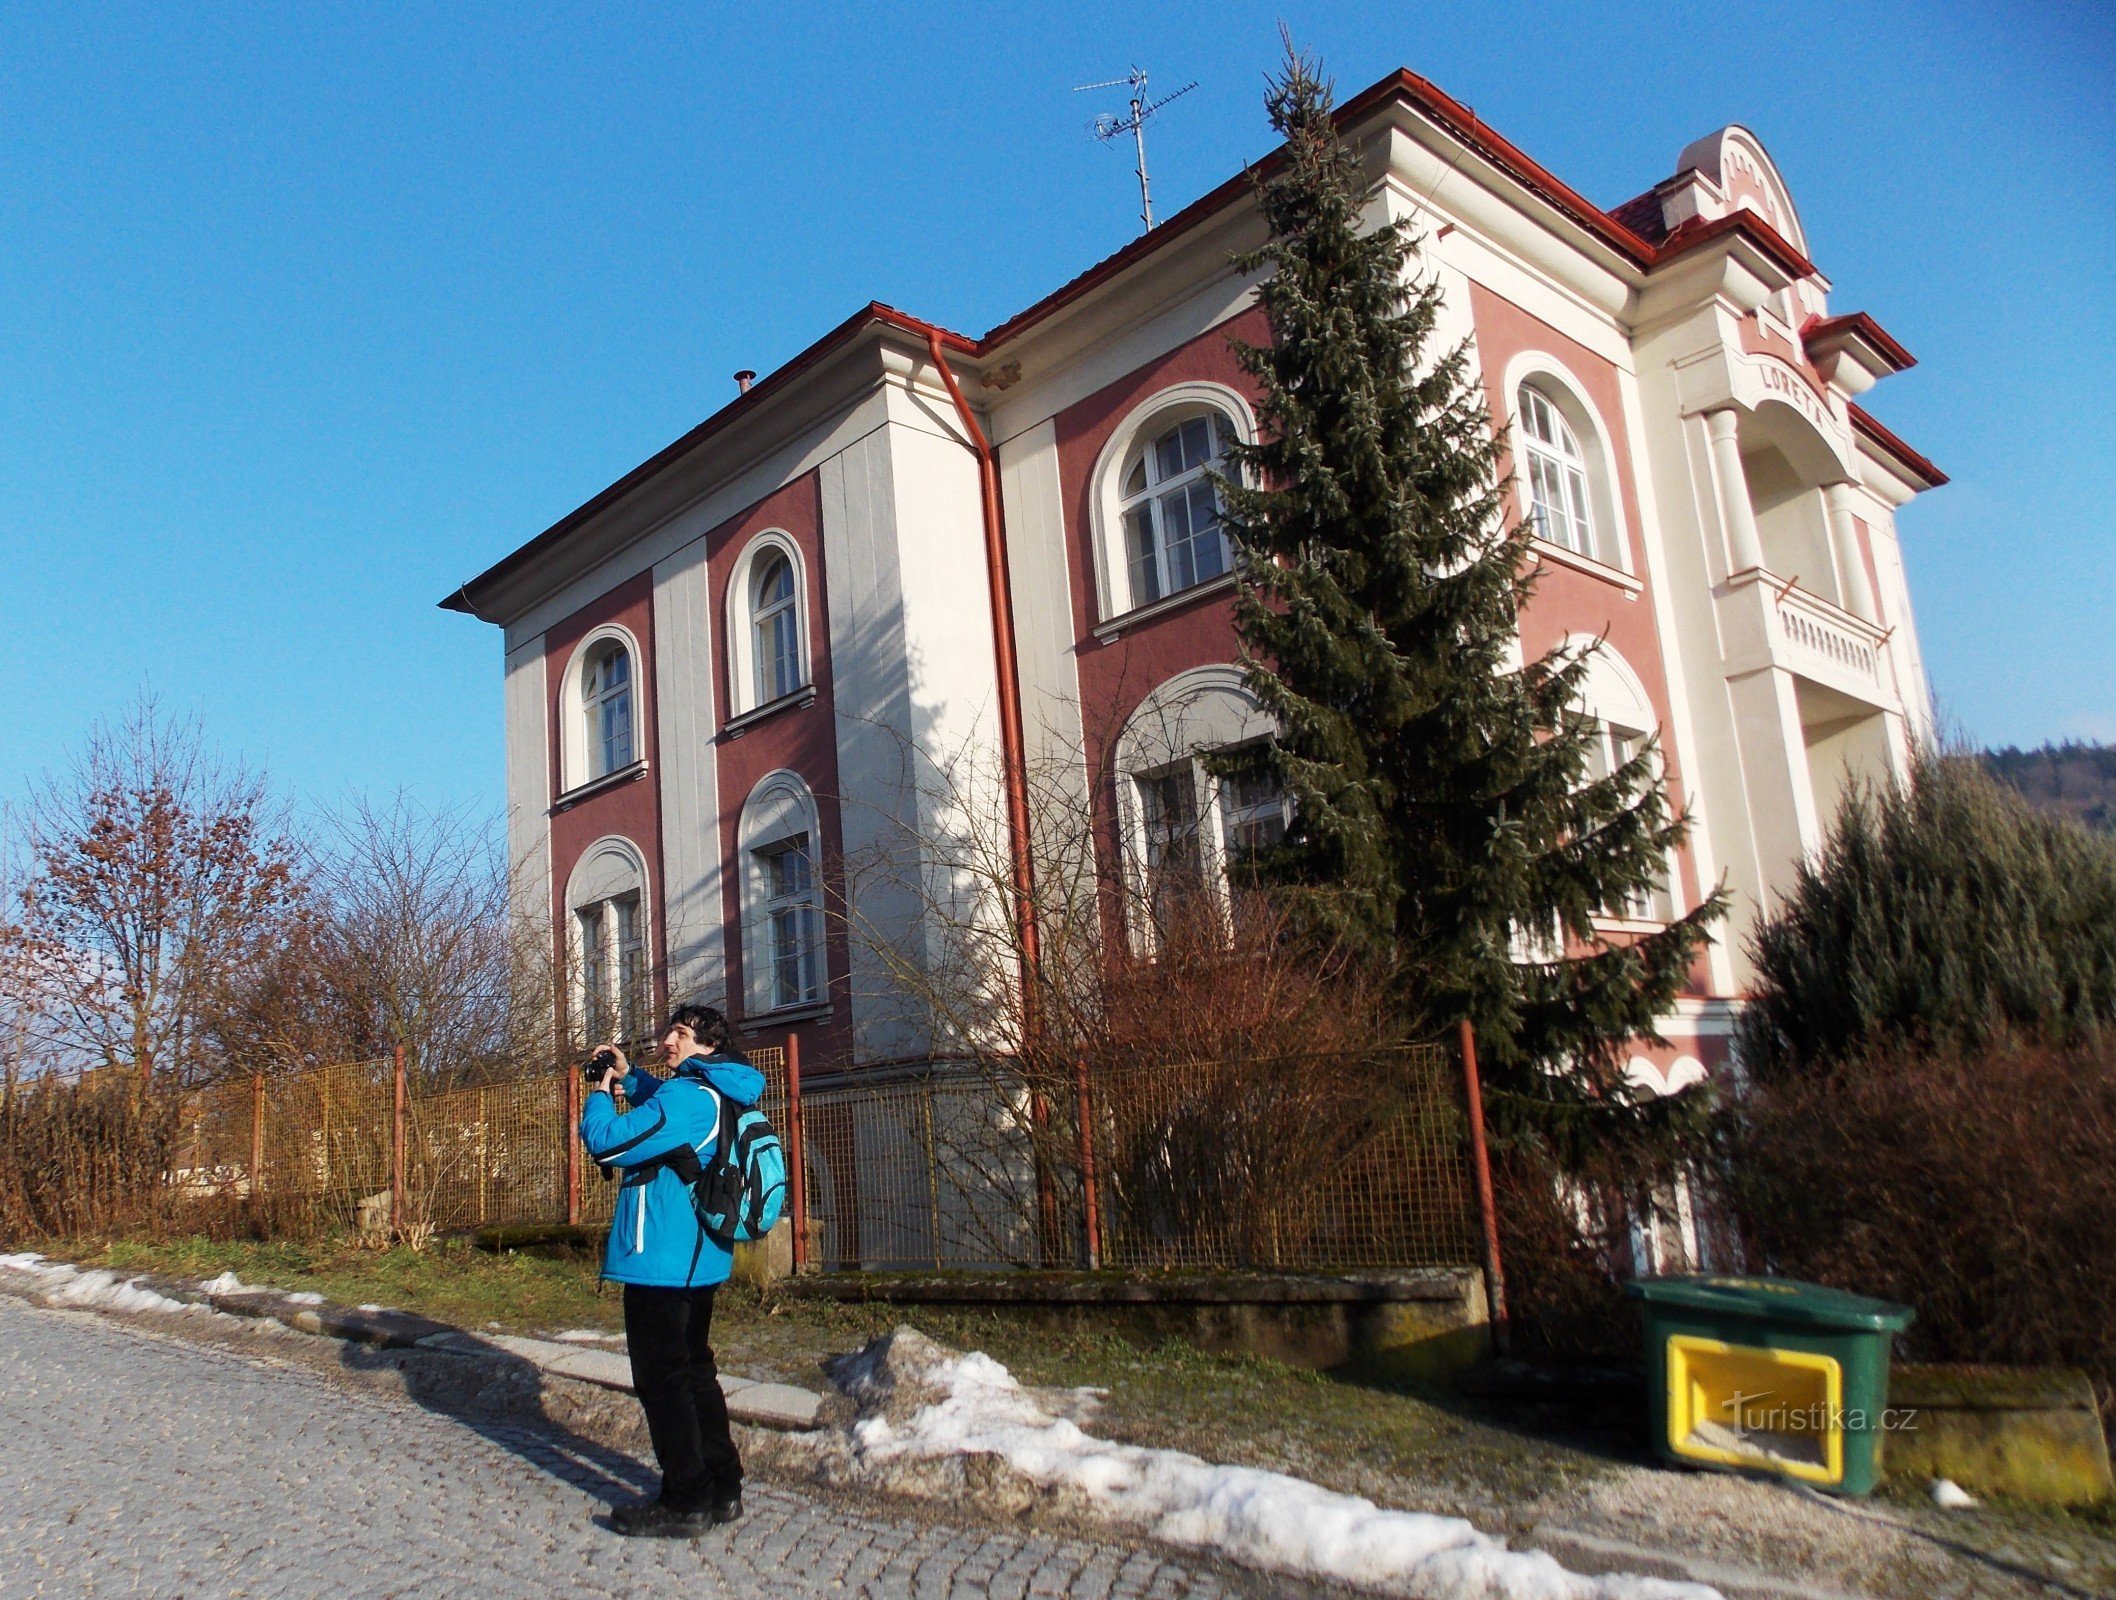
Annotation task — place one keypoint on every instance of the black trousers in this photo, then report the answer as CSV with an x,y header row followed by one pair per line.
x,y
669,1333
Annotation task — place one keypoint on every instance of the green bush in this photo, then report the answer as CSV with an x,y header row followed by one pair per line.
x,y
1942,915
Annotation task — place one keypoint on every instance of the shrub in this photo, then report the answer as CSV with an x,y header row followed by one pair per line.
x,y
1941,915
83,1155
1978,1187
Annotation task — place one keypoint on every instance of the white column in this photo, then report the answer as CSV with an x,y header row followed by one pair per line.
x,y
1851,560
1744,544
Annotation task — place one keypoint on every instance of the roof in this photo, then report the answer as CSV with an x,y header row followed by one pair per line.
x,y
1619,231
1866,424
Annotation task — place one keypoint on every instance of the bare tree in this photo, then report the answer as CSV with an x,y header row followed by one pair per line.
x,y
154,871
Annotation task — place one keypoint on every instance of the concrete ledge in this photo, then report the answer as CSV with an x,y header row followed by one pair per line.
x,y
2031,1432
1420,1324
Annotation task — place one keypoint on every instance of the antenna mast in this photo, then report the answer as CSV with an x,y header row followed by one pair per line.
x,y
1107,126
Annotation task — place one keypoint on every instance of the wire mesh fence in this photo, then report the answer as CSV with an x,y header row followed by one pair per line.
x,y
1303,1163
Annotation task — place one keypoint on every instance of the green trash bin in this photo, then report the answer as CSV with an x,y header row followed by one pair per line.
x,y
1771,1375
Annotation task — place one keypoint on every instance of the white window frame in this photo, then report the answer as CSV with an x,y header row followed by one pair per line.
x,y
1609,546
799,913
1146,422
780,810
598,698
578,752
608,980
744,667
1613,698
1193,714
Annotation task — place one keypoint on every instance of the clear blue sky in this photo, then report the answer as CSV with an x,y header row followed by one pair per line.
x,y
308,315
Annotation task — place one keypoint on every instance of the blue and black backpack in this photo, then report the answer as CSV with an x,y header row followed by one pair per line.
x,y
740,1191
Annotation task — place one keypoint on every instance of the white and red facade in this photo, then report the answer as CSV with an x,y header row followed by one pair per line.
x,y
1730,531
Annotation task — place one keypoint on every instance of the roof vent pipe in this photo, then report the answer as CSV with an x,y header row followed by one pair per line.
x,y
744,379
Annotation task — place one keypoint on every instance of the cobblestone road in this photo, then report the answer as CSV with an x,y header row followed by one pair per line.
x,y
142,1466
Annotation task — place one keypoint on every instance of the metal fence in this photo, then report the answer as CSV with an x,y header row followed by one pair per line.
x,y
1302,1163
1308,1162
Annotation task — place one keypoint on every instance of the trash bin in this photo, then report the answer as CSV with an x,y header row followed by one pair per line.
x,y
1767,1374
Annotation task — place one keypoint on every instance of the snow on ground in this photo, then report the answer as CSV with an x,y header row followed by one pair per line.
x,y
588,1336
973,1406
64,1284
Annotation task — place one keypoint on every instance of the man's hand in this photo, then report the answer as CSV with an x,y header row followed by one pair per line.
x,y
616,1070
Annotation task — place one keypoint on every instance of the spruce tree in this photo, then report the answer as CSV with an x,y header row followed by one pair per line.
x,y
1444,814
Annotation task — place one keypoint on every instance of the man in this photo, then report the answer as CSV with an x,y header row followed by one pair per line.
x,y
669,1266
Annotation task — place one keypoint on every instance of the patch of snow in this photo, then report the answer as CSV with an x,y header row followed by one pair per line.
x,y
307,1297
227,1283
96,1289
974,1407
589,1336
1951,1496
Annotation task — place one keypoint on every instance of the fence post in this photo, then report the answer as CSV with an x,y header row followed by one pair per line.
x,y
256,1137
396,1152
797,1154
1091,1204
1494,1275
570,1096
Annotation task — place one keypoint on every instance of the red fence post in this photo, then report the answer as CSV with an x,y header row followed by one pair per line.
x,y
396,1152
797,1154
1494,1275
256,1136
570,1092
1091,1203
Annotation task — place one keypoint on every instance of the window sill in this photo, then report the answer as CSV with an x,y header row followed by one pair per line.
x,y
1545,550
595,786
1630,925
739,724
1123,621
812,1011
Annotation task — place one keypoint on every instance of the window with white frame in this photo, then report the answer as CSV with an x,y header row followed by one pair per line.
x,y
606,709
1196,827
614,990
767,624
775,622
793,944
1559,504
1169,510
1611,747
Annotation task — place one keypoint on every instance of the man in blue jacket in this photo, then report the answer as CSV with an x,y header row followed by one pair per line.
x,y
669,1266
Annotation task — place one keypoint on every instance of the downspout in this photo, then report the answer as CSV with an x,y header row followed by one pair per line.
x,y
1013,747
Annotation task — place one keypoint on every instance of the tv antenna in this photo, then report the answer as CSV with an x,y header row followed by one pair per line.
x,y
1108,126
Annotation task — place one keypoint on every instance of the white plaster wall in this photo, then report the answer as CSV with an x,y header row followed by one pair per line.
x,y
528,784
693,933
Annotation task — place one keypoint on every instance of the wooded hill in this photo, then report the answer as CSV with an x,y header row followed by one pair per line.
x,y
2074,779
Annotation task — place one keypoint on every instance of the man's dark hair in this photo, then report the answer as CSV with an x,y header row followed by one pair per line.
x,y
707,1024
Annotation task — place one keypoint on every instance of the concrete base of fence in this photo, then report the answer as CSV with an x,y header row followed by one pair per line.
x,y
1998,1430
1423,1325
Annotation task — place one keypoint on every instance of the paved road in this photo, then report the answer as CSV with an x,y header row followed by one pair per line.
x,y
141,1466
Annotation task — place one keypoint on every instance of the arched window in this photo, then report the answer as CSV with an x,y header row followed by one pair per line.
x,y
1169,509
1559,504
775,618
767,625
606,708
611,959
783,950
1194,795
1621,725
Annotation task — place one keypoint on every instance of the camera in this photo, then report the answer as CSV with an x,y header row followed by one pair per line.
x,y
597,1064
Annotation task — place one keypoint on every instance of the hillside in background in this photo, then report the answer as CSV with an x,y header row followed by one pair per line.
x,y
2076,780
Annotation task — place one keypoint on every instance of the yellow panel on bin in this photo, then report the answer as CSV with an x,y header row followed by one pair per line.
x,y
1747,1406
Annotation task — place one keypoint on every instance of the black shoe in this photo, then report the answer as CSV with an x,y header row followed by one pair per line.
x,y
726,1509
653,1519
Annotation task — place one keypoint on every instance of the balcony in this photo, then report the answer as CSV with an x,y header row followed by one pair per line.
x,y
1769,621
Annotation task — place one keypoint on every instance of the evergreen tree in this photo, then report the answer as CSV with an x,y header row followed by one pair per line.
x,y
1444,813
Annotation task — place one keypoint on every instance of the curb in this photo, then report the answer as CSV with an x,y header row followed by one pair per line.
x,y
783,1407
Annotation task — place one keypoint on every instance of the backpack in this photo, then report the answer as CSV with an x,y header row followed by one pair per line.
x,y
740,1192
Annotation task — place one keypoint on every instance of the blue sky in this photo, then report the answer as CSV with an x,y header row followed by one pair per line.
x,y
307,315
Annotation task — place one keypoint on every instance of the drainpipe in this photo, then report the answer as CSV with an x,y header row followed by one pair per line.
x,y
1013,747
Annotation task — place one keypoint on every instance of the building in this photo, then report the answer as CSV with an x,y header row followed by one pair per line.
x,y
718,669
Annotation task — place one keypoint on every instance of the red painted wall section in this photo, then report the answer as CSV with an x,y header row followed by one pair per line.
x,y
800,739
1116,676
632,809
1566,600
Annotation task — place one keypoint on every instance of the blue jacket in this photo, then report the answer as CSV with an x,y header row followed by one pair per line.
x,y
655,1238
